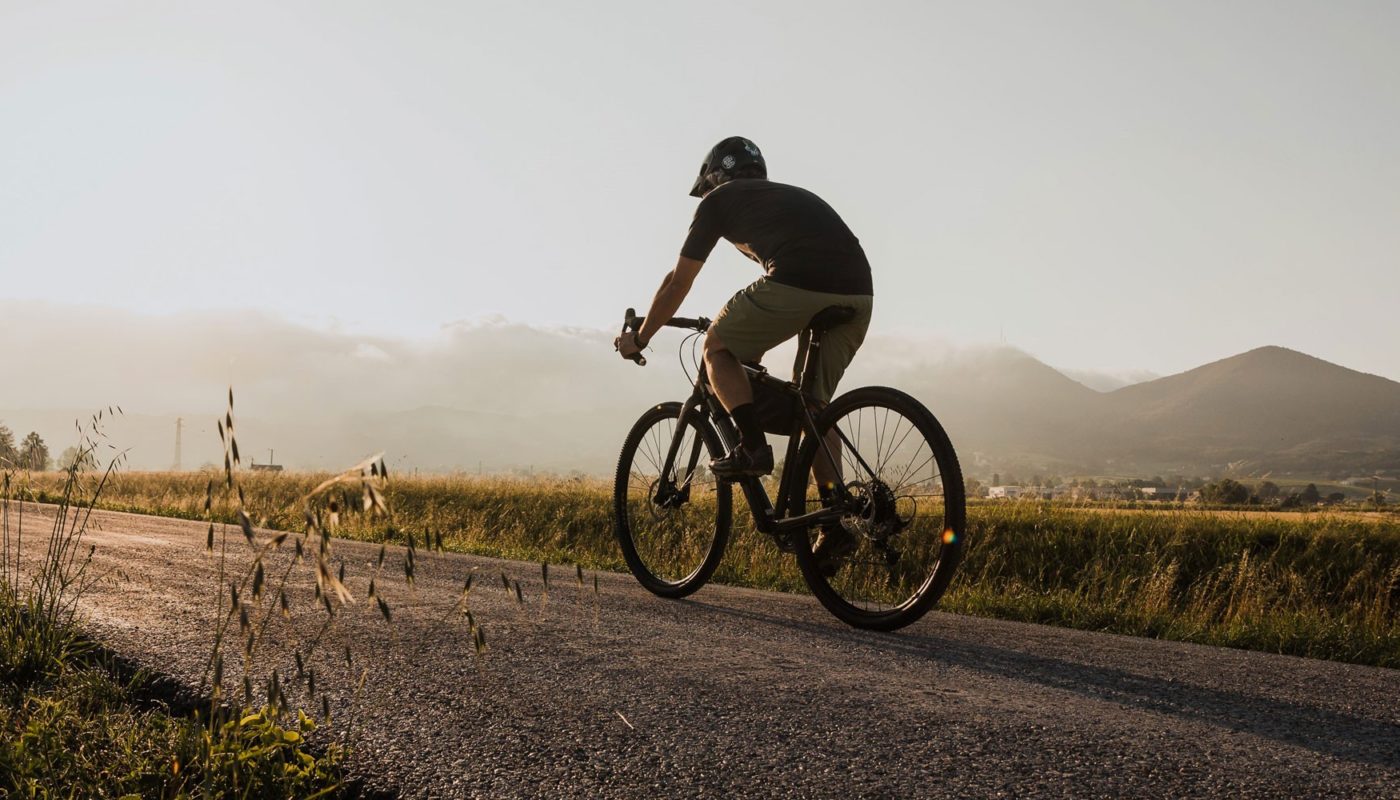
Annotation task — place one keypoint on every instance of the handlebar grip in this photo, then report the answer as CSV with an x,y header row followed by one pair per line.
x,y
631,322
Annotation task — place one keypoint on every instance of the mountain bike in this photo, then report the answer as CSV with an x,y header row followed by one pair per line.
x,y
899,493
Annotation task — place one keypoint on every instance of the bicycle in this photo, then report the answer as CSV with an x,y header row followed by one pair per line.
x,y
907,512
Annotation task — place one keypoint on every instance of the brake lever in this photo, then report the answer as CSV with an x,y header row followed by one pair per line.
x,y
629,323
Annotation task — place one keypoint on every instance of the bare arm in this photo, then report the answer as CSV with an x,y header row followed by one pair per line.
x,y
674,287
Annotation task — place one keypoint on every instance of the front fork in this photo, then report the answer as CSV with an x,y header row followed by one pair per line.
x,y
668,493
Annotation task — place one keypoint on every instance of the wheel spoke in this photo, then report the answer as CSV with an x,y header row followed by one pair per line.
x,y
670,525
898,514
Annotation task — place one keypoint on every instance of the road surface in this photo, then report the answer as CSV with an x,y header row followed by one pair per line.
x,y
737,692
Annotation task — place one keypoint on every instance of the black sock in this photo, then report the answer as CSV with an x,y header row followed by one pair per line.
x,y
750,433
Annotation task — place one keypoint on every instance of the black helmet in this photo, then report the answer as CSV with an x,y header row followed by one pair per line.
x,y
726,158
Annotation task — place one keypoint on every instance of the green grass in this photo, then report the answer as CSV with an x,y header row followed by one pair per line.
x,y
1312,585
71,725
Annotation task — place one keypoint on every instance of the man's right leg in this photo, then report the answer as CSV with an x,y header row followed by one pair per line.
x,y
753,322
727,376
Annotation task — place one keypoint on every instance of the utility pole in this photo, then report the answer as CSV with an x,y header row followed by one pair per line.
x,y
179,428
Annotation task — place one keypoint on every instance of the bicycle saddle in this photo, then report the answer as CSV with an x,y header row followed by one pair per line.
x,y
830,317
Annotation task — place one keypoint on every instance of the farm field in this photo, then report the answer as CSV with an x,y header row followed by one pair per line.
x,y
1322,585
1381,517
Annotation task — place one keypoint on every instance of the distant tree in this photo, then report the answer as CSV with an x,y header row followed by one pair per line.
x,y
33,453
996,476
1227,491
1268,491
8,455
72,454
1335,498
1310,495
1035,481
1291,501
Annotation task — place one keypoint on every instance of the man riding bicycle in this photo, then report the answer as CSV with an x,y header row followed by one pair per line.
x,y
811,261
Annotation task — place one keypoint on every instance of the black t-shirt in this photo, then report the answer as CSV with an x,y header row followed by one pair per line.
x,y
797,238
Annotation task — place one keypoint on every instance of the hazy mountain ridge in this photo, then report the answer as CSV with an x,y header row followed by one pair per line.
x,y
1280,407
501,396
1271,408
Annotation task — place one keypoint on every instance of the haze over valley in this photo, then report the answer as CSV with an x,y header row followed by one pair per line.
x,y
498,396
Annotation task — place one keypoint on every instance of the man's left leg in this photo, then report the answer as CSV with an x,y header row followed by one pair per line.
x,y
838,348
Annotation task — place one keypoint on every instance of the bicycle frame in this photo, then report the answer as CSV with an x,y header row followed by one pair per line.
x,y
766,514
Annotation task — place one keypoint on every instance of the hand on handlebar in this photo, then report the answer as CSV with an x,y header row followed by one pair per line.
x,y
629,347
627,343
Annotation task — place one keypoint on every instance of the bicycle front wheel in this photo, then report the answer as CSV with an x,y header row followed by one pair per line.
x,y
672,524
906,513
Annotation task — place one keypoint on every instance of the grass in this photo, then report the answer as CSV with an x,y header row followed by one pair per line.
x,y
74,724
1313,585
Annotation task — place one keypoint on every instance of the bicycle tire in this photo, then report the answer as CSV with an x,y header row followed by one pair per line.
x,y
643,548
947,536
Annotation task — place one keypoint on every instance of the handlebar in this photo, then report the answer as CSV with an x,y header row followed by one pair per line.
x,y
632,322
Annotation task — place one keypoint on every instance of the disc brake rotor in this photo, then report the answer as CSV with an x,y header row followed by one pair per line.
x,y
874,512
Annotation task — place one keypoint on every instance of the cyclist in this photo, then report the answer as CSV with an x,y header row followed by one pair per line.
x,y
811,261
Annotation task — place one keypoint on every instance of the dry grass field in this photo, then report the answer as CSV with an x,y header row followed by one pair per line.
x,y
1318,585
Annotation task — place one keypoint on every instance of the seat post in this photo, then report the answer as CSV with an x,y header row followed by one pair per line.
x,y
809,359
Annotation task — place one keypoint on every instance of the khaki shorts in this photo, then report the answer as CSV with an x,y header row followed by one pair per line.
x,y
768,313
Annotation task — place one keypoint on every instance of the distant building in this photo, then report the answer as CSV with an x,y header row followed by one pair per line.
x,y
268,467
1159,493
1007,492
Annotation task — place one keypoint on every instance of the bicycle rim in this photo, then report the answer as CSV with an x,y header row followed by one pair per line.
x,y
908,513
672,527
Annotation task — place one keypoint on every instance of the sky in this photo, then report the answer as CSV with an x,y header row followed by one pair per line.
x,y
1117,187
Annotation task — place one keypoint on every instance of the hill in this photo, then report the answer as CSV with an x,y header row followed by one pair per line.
x,y
1283,409
1269,409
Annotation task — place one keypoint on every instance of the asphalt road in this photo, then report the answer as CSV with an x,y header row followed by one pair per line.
x,y
746,693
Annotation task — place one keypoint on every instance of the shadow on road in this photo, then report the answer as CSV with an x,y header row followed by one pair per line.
x,y
1318,729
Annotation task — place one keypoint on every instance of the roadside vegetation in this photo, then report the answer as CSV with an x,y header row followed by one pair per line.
x,y
1318,585
75,721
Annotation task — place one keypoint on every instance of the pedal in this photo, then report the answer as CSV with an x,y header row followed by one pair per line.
x,y
786,542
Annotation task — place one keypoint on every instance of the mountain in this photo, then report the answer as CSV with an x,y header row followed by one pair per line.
x,y
1283,409
1003,402
1269,409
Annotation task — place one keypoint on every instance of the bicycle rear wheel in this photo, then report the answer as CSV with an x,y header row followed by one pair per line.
x,y
908,511
672,526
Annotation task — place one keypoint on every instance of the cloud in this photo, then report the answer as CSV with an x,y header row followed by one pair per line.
x,y
503,394
310,391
